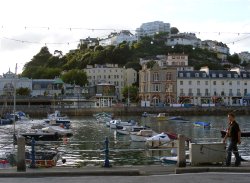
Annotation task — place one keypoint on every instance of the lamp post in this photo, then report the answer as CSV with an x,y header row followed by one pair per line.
x,y
128,96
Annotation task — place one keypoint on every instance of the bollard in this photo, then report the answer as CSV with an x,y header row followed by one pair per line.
x,y
106,160
181,155
33,157
21,166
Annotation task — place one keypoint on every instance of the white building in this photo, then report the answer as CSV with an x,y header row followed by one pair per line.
x,y
112,74
244,56
10,80
213,87
117,38
152,28
183,39
221,49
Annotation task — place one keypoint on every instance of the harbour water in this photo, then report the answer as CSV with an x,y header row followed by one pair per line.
x,y
86,147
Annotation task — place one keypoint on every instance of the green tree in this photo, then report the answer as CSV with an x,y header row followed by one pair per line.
x,y
234,59
174,30
75,76
23,91
131,92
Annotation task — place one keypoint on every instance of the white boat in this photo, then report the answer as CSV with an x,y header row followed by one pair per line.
x,y
142,135
174,158
178,119
161,116
158,140
119,123
127,129
57,118
58,129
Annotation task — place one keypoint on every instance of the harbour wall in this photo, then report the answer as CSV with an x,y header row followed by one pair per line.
x,y
34,111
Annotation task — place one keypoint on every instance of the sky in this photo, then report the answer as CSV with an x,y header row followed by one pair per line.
x,y
28,25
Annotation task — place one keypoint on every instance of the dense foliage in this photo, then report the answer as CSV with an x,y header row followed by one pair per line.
x,y
45,65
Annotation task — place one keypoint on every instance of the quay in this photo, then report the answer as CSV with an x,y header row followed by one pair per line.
x,y
142,170
182,167
41,111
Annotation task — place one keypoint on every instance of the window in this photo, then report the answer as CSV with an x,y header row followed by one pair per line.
x,y
220,75
156,87
230,92
169,76
213,75
190,82
222,82
245,83
214,82
244,75
190,91
181,82
229,75
188,75
181,74
236,75
206,82
230,82
198,82
156,76
197,75
204,75
198,91
181,91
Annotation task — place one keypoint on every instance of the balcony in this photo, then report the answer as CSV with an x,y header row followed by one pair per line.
x,y
198,94
190,94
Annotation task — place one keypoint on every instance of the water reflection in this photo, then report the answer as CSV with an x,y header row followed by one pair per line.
x,y
86,146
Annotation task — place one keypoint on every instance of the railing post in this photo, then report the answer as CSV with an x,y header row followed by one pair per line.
x,y
181,155
21,166
33,157
106,160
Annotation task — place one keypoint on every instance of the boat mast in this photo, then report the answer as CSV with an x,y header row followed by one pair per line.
x,y
14,106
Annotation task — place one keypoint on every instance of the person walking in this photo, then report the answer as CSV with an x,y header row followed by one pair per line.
x,y
233,134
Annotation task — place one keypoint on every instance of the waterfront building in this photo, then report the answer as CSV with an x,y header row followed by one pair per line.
x,y
9,80
47,87
116,38
112,74
157,85
213,87
152,28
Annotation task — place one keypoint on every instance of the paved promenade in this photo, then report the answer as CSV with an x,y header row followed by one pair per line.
x,y
145,170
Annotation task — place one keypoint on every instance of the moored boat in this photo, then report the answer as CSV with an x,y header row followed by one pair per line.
x,y
158,140
57,118
58,129
42,158
203,124
127,129
161,117
178,119
141,135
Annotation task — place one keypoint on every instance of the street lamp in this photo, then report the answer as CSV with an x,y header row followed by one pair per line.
x,y
128,96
